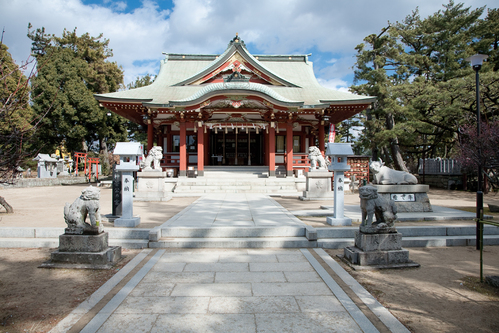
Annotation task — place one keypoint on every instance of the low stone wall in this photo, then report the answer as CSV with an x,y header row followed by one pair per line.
x,y
36,182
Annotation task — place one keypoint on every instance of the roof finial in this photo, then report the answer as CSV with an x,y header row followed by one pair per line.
x,y
236,40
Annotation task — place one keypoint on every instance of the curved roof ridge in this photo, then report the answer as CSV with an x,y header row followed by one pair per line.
x,y
236,86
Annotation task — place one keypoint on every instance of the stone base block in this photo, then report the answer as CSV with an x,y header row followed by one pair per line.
x,y
83,243
127,222
378,242
339,221
376,258
95,260
318,185
418,194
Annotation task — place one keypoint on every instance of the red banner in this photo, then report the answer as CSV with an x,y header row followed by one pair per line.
x,y
332,132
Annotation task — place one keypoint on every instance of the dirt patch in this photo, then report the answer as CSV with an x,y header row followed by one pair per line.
x,y
443,295
35,299
44,206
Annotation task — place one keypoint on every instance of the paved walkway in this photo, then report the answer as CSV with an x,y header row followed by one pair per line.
x,y
253,290
250,290
234,210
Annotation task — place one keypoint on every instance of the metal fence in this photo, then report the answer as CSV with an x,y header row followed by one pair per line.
x,y
438,166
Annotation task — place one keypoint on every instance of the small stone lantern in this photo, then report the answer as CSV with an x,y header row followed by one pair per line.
x,y
129,153
339,153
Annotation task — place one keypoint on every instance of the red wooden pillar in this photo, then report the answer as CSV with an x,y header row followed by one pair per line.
x,y
289,149
271,148
200,150
321,139
303,147
160,137
266,148
150,136
183,151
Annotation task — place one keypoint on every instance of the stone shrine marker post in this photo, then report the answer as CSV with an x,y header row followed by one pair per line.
x,y
116,192
129,153
339,153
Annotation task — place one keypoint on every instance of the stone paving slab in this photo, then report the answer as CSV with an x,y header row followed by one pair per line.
x,y
234,210
289,294
254,304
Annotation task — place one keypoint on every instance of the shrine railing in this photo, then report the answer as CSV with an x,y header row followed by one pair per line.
x,y
301,161
171,160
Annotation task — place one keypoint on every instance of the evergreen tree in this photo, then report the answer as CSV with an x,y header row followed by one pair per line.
x,y
425,88
73,69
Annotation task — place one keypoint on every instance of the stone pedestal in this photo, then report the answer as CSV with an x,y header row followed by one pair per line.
x,y
408,198
318,185
152,186
84,251
377,251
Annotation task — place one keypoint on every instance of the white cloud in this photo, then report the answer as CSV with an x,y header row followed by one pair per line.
x,y
336,84
139,36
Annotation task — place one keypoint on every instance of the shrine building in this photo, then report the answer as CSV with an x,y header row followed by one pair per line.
x,y
235,109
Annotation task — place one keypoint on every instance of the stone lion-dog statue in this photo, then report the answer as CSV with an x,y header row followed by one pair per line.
x,y
87,204
153,159
317,161
373,205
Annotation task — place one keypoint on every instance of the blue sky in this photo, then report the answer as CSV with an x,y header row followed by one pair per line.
x,y
140,30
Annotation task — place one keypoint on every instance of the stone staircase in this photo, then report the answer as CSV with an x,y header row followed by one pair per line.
x,y
239,179
233,237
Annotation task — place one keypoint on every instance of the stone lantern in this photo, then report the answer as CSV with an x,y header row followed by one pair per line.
x,y
339,153
129,153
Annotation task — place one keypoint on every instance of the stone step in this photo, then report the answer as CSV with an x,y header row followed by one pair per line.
x,y
54,243
232,232
277,242
241,180
234,182
246,242
421,241
413,231
237,187
30,232
199,189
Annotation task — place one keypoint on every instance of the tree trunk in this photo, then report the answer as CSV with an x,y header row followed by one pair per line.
x,y
84,146
5,205
374,148
394,146
104,156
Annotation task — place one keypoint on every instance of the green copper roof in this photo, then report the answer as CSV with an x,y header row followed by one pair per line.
x,y
299,86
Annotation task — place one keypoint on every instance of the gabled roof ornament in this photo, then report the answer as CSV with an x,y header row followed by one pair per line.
x,y
237,40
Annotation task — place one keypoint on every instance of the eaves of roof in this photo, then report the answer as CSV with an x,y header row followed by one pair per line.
x,y
231,88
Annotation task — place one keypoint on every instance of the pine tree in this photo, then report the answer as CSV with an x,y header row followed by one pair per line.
x,y
424,85
74,68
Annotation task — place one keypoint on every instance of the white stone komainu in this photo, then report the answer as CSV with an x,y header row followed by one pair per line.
x,y
317,161
153,159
